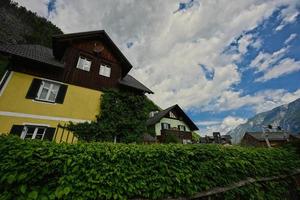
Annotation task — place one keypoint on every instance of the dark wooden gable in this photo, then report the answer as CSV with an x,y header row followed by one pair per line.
x,y
99,54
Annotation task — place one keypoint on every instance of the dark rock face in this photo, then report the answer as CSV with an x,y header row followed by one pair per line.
x,y
286,116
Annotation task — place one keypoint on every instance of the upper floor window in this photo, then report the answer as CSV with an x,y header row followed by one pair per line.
x,y
165,126
181,127
49,91
105,70
84,64
172,115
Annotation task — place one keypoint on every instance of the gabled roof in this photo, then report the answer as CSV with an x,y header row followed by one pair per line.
x,y
157,117
132,82
60,43
272,136
44,54
32,52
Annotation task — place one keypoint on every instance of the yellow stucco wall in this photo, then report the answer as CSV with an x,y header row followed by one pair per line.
x,y
80,103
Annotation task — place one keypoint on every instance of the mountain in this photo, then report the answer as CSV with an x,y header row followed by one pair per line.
x,y
286,116
21,26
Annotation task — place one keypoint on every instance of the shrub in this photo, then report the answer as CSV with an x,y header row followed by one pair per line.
x,y
45,170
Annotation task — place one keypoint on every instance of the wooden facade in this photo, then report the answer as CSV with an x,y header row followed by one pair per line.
x,y
181,135
249,140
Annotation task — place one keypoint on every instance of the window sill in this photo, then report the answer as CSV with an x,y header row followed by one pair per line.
x,y
43,102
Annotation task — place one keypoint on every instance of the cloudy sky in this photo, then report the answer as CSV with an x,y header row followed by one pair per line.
x,y
223,61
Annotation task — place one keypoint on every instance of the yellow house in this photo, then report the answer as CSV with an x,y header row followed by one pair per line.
x,y
44,89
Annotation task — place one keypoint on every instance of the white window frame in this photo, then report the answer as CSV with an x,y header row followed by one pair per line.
x,y
36,128
84,64
50,89
171,114
105,70
183,128
165,128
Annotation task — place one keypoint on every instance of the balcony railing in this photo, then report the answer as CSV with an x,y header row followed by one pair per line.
x,y
181,135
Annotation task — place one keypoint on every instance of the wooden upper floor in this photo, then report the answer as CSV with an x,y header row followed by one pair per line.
x,y
88,59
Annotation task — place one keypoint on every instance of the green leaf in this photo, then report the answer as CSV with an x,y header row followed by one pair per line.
x,y
23,188
33,195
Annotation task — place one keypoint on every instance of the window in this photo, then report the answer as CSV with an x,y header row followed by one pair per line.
x,y
48,91
104,70
44,90
152,113
165,126
33,132
172,115
84,64
181,127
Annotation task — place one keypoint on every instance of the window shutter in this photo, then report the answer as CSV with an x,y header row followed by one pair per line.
x,y
61,94
162,126
169,126
34,88
16,130
49,134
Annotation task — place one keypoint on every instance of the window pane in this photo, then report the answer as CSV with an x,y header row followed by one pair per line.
x,y
46,84
29,132
108,71
40,133
79,63
53,92
87,65
105,70
43,94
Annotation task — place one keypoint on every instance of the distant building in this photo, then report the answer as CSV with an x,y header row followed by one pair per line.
x,y
171,122
295,137
217,138
260,139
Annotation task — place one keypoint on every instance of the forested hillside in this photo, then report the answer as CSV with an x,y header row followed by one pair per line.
x,y
21,26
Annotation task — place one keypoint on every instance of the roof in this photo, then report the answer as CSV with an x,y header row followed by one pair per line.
x,y
60,43
295,136
44,54
33,52
156,118
273,136
132,82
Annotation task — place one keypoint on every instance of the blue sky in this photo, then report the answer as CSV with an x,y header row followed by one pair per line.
x,y
221,61
271,41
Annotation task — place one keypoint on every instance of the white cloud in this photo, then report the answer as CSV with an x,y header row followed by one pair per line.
x,y
260,101
263,61
288,15
37,6
284,67
207,123
290,38
228,123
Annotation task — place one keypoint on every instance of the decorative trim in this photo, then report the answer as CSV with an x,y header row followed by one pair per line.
x,y
34,124
43,102
15,114
6,81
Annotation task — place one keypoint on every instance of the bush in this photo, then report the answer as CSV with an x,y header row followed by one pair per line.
x,y
45,170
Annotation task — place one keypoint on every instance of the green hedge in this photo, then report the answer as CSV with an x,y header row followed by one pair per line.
x,y
45,170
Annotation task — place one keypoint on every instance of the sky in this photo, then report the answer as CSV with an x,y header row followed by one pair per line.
x,y
222,61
